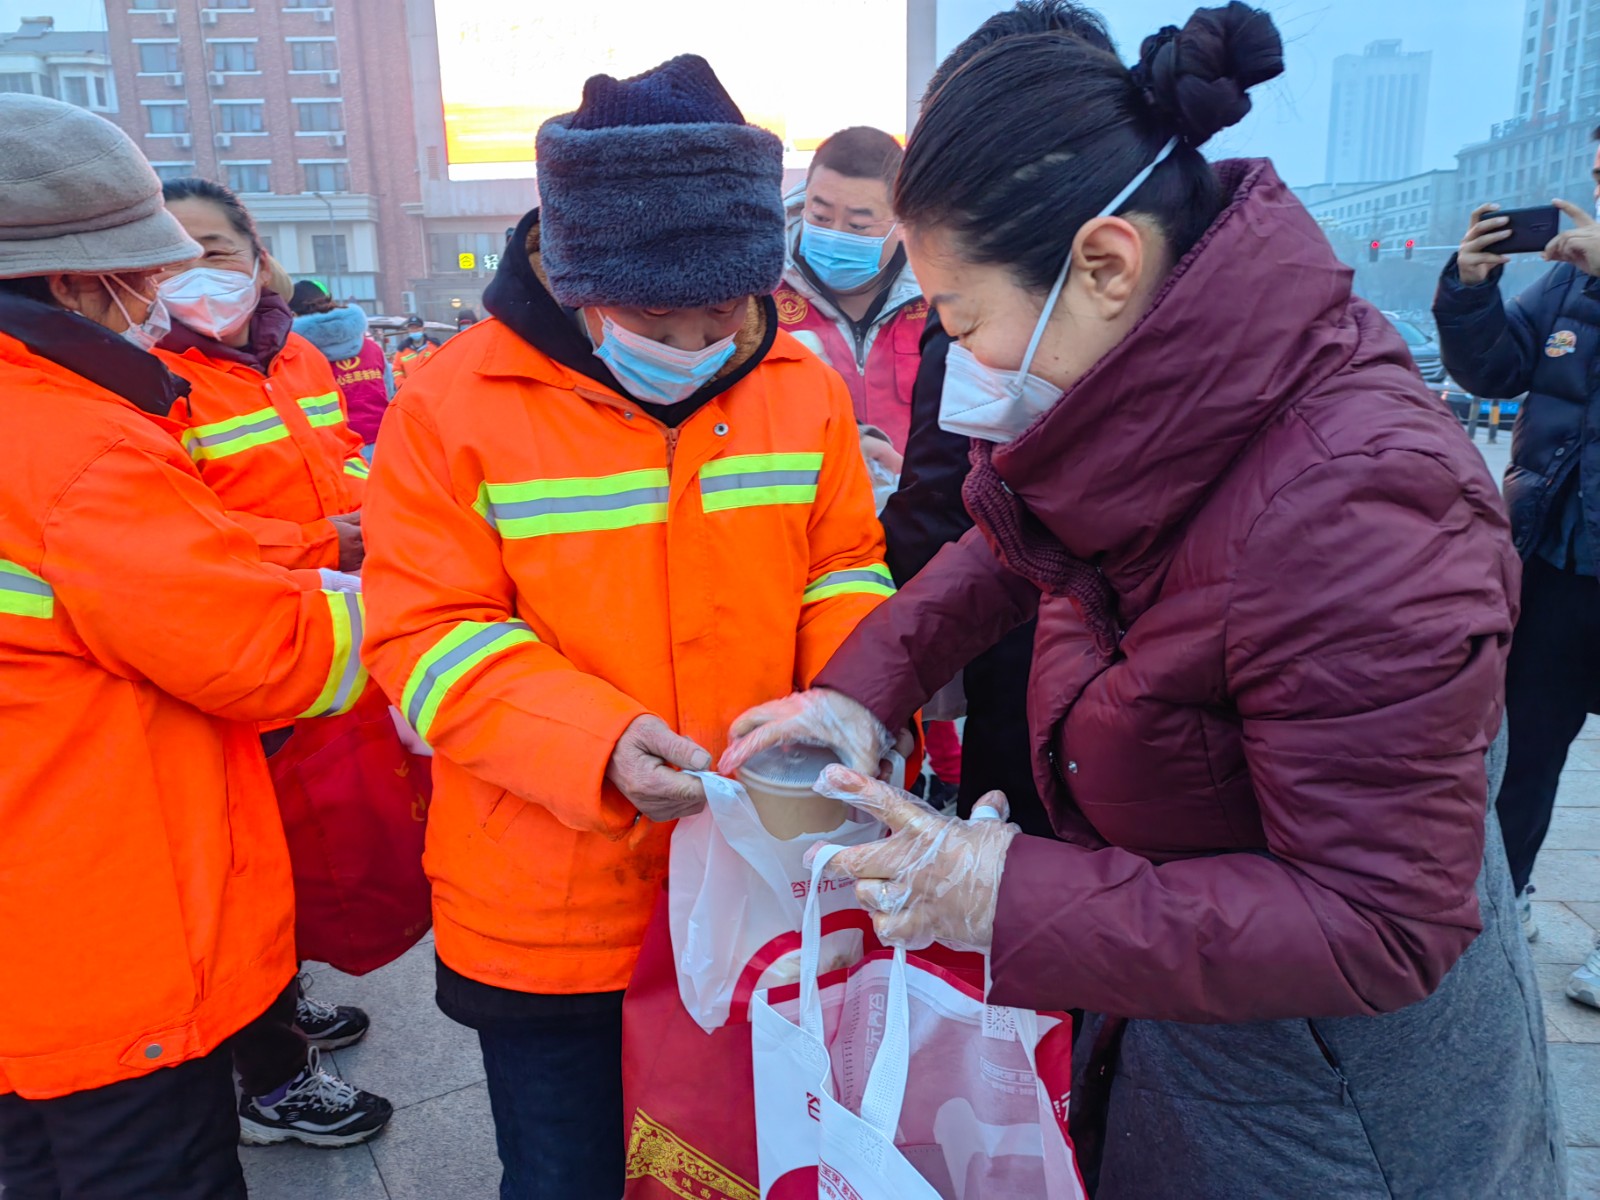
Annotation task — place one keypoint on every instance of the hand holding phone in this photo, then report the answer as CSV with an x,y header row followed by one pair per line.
x,y
1580,245
1530,229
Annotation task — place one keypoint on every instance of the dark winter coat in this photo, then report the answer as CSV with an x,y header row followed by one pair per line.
x,y
1266,754
923,515
1546,343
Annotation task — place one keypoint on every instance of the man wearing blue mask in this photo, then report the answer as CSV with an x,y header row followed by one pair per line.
x,y
847,291
603,522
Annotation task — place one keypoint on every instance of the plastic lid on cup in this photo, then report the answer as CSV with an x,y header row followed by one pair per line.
x,y
790,765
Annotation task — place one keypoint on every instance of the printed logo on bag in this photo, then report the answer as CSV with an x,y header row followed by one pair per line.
x,y
999,1023
1562,341
1009,1081
833,1186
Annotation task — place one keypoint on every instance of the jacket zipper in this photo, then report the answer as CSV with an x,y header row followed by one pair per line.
x,y
1333,1063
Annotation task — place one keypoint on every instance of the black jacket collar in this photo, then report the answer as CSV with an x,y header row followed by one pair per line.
x,y
92,352
519,298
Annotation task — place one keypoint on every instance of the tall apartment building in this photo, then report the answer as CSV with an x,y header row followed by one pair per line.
x,y
1547,148
303,107
1380,106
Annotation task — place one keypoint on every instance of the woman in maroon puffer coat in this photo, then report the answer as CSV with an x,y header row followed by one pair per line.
x,y
1274,588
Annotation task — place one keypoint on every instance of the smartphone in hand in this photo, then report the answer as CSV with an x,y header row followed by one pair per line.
x,y
1531,229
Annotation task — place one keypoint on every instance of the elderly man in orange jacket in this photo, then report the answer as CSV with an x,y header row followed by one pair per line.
x,y
601,525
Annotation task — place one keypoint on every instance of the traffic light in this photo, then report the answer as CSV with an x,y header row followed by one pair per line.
x,y
1372,250
1410,246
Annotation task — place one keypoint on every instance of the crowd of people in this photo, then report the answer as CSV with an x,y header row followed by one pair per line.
x,y
1044,404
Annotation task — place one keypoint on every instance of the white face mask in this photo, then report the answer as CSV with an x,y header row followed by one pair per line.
x,y
992,405
157,322
213,301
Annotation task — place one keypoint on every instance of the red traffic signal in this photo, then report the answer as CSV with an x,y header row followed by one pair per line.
x,y
1372,250
1410,246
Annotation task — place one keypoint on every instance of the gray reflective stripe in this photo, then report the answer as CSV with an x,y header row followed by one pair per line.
x,y
839,577
516,510
238,431
321,407
352,666
478,641
758,479
32,587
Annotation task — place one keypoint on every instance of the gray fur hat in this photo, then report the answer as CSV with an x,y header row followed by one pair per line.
x,y
655,193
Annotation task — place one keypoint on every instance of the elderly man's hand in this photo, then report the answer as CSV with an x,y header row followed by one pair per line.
x,y
645,767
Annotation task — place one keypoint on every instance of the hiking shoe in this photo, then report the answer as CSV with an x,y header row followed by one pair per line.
x,y
1584,984
1530,924
317,1108
329,1026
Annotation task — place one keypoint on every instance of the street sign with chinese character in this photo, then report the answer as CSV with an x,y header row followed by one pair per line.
x,y
491,262
467,260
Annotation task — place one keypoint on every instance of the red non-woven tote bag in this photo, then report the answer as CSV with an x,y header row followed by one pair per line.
x,y
355,806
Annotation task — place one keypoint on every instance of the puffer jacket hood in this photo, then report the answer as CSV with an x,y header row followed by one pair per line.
x,y
338,333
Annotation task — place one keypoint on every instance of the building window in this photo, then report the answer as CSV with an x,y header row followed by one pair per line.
x,y
245,4
75,90
101,100
320,116
328,254
445,251
327,176
173,170
17,82
314,56
150,5
308,3
249,177
168,118
158,58
248,117
233,56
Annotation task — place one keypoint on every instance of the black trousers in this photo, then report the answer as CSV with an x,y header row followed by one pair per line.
x,y
270,1051
170,1135
1552,684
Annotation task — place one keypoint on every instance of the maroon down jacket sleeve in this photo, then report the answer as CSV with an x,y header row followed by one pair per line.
x,y
909,647
1367,628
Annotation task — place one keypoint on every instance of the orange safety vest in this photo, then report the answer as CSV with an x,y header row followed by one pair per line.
x,y
145,890
277,448
549,562
408,358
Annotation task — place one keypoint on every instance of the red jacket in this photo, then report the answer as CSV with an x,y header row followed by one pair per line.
x,y
1272,789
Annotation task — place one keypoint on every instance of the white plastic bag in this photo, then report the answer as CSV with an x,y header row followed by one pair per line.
x,y
898,1082
735,899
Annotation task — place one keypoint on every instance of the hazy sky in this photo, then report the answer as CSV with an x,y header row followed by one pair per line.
x,y
1474,45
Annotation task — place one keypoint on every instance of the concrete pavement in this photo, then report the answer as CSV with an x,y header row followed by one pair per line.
x,y
441,1142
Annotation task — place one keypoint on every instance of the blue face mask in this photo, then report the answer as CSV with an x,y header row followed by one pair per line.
x,y
655,372
843,261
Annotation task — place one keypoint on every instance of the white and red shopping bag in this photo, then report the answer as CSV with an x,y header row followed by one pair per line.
x,y
735,899
897,1082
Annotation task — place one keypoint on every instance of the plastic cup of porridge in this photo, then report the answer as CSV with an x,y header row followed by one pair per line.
x,y
779,781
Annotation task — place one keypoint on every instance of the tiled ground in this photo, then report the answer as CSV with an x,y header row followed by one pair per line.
x,y
441,1143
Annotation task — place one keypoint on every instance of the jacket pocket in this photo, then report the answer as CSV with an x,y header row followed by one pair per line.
x,y
502,814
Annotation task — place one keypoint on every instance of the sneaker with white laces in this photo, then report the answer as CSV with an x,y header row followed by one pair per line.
x,y
317,1108
1530,924
328,1026
1584,983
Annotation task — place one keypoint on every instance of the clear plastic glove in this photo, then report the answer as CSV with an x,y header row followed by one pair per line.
x,y
339,581
648,768
814,718
409,737
935,878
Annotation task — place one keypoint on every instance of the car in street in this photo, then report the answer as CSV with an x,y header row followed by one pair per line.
x,y
1424,350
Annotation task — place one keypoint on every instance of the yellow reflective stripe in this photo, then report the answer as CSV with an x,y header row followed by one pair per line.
x,y
752,480
223,438
466,647
347,678
873,580
357,467
576,505
322,411
24,594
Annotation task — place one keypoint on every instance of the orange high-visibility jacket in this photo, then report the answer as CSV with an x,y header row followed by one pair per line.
x,y
277,449
145,891
408,359
547,562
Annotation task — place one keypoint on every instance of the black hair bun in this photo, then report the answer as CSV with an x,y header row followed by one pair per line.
x,y
1198,78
